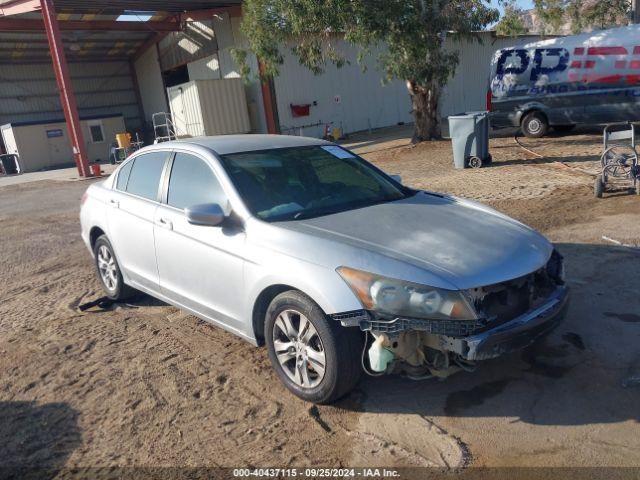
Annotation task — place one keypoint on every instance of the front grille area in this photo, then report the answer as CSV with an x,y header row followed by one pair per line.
x,y
505,301
451,328
495,304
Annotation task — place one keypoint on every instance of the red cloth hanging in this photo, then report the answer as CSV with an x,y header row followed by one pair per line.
x,y
300,110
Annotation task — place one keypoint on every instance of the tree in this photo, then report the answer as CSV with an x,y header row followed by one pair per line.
x,y
551,14
511,24
410,32
582,15
606,13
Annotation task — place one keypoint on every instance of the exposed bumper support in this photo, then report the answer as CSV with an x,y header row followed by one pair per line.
x,y
513,335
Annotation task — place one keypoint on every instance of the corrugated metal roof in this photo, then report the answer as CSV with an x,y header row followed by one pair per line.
x,y
121,6
82,45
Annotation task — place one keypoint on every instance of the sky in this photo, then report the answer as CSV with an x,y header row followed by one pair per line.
x,y
523,4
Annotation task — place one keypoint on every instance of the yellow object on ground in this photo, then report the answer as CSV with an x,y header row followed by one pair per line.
x,y
123,139
336,133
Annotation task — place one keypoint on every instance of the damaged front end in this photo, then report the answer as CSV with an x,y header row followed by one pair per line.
x,y
506,316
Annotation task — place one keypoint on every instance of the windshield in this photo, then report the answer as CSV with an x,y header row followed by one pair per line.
x,y
303,182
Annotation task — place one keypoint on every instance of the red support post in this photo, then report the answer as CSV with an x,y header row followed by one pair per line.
x,y
67,95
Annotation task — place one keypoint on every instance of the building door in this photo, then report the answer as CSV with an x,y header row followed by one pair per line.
x,y
60,152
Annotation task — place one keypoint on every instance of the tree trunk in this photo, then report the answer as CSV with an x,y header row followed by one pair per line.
x,y
424,103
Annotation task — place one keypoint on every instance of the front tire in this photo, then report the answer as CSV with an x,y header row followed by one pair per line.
x,y
314,356
109,271
534,125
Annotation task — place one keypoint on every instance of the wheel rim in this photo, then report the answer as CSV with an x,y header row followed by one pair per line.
x,y
107,267
534,125
299,349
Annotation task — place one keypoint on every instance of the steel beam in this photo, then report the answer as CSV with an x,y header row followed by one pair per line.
x,y
198,15
67,95
34,25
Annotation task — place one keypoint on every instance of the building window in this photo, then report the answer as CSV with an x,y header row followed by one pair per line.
x,y
96,131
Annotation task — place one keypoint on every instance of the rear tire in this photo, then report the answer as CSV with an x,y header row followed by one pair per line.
x,y
598,187
332,369
109,271
534,125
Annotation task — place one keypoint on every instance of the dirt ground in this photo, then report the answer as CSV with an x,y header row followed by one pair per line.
x,y
146,385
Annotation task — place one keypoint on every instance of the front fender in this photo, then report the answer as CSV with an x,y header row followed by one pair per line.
x,y
322,284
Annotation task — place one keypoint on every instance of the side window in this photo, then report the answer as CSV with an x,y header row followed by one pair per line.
x,y
123,176
144,179
192,182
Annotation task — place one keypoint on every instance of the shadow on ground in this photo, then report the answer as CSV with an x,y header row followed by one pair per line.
x,y
36,440
582,373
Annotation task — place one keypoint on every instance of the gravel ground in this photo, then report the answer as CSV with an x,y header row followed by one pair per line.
x,y
146,385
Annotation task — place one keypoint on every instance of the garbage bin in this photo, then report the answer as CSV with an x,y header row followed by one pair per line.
x,y
469,134
9,164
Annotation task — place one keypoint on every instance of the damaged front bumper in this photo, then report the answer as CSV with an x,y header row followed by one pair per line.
x,y
462,339
510,336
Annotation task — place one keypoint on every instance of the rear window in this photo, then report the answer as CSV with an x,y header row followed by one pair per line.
x,y
144,179
123,176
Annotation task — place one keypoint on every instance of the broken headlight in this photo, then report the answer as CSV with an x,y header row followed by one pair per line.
x,y
398,298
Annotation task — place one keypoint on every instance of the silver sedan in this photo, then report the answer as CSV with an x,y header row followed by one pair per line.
x,y
339,268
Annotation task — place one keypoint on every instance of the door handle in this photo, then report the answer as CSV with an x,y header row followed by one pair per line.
x,y
115,203
163,222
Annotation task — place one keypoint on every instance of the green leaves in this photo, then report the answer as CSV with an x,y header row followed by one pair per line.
x,y
410,31
511,24
581,15
407,37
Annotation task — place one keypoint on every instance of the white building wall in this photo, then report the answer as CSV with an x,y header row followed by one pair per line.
x,y
345,97
221,65
150,83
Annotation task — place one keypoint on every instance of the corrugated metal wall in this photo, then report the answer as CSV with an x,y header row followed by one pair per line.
x,y
210,107
197,41
347,97
355,100
29,92
467,90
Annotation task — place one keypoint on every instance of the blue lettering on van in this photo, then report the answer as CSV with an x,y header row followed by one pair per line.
x,y
524,62
540,53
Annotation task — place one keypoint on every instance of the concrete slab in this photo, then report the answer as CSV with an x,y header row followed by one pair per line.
x,y
60,175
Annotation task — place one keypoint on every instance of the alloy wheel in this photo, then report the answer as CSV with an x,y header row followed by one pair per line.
x,y
299,349
108,268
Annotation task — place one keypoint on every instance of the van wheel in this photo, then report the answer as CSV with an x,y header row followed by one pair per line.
x,y
475,162
534,125
314,356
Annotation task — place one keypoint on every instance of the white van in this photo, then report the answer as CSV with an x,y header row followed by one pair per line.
x,y
589,78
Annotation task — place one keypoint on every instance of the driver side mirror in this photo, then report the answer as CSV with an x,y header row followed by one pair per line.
x,y
397,178
207,215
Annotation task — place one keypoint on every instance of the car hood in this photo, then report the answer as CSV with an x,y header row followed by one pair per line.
x,y
464,243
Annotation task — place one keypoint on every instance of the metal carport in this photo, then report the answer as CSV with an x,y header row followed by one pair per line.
x,y
50,27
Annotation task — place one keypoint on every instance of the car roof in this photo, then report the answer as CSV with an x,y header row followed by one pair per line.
x,y
226,144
